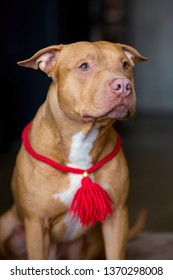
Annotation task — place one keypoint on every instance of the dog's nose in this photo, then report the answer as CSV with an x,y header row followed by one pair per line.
x,y
121,86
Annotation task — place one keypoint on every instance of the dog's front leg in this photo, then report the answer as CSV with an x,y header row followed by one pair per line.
x,y
37,239
115,230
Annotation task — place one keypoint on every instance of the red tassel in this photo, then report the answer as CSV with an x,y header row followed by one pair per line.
x,y
91,203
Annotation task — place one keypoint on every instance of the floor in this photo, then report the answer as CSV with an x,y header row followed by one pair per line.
x,y
148,146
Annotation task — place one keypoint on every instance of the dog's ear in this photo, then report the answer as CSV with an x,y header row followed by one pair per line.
x,y
44,59
133,55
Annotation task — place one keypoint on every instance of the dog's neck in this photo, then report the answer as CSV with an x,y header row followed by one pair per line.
x,y
67,141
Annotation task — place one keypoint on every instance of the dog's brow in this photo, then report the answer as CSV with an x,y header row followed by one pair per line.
x,y
87,58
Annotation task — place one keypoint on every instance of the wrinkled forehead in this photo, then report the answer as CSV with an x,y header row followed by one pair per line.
x,y
98,52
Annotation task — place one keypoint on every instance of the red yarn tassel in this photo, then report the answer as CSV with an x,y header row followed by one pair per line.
x,y
91,203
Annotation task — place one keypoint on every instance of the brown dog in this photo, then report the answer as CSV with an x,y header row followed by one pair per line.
x,y
92,87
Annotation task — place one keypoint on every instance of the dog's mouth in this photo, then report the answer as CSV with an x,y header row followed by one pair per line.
x,y
120,112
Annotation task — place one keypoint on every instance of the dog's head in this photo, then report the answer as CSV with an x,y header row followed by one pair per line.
x,y
94,80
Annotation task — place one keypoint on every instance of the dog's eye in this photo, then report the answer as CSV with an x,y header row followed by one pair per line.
x,y
84,66
125,65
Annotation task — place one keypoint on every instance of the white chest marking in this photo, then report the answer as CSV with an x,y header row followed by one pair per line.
x,y
79,157
80,148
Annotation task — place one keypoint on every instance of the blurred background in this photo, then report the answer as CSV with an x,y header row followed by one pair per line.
x,y
27,26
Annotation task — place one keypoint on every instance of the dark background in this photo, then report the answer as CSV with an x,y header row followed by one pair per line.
x,y
27,26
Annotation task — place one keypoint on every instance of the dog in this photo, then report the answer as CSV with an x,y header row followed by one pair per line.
x,y
53,216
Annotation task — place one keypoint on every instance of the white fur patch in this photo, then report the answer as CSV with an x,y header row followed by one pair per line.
x,y
79,158
80,149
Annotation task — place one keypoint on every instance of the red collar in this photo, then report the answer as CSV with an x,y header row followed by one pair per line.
x,y
91,203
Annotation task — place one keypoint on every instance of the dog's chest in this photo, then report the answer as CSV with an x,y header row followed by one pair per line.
x,y
79,157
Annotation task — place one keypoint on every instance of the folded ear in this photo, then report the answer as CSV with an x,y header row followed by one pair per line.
x,y
44,59
133,55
